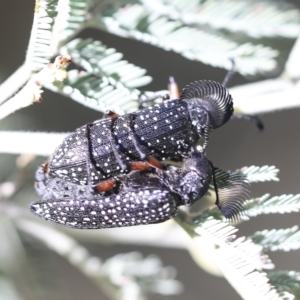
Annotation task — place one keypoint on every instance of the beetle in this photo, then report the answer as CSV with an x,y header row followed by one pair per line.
x,y
135,141
142,197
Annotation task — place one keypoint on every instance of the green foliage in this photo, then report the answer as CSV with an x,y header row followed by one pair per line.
x,y
40,44
107,78
275,205
281,239
138,23
286,281
261,174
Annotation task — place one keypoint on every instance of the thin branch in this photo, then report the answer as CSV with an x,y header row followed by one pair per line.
x,y
292,69
31,92
265,96
39,143
274,94
13,83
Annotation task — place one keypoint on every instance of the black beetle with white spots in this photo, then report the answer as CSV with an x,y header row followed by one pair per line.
x,y
103,154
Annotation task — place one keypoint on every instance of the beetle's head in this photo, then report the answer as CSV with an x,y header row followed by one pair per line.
x,y
209,104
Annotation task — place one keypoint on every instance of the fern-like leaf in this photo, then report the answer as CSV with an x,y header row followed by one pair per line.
x,y
136,22
101,61
108,82
97,93
148,272
239,259
40,49
71,18
286,281
281,239
260,174
266,205
254,18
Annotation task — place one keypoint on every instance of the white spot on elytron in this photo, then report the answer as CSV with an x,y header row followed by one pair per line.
x,y
60,172
93,213
142,117
86,219
103,212
81,208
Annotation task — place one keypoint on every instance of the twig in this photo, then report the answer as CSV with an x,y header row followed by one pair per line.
x,y
39,143
265,96
31,92
14,82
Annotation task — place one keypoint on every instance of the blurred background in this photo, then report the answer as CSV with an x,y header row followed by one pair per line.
x,y
45,274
